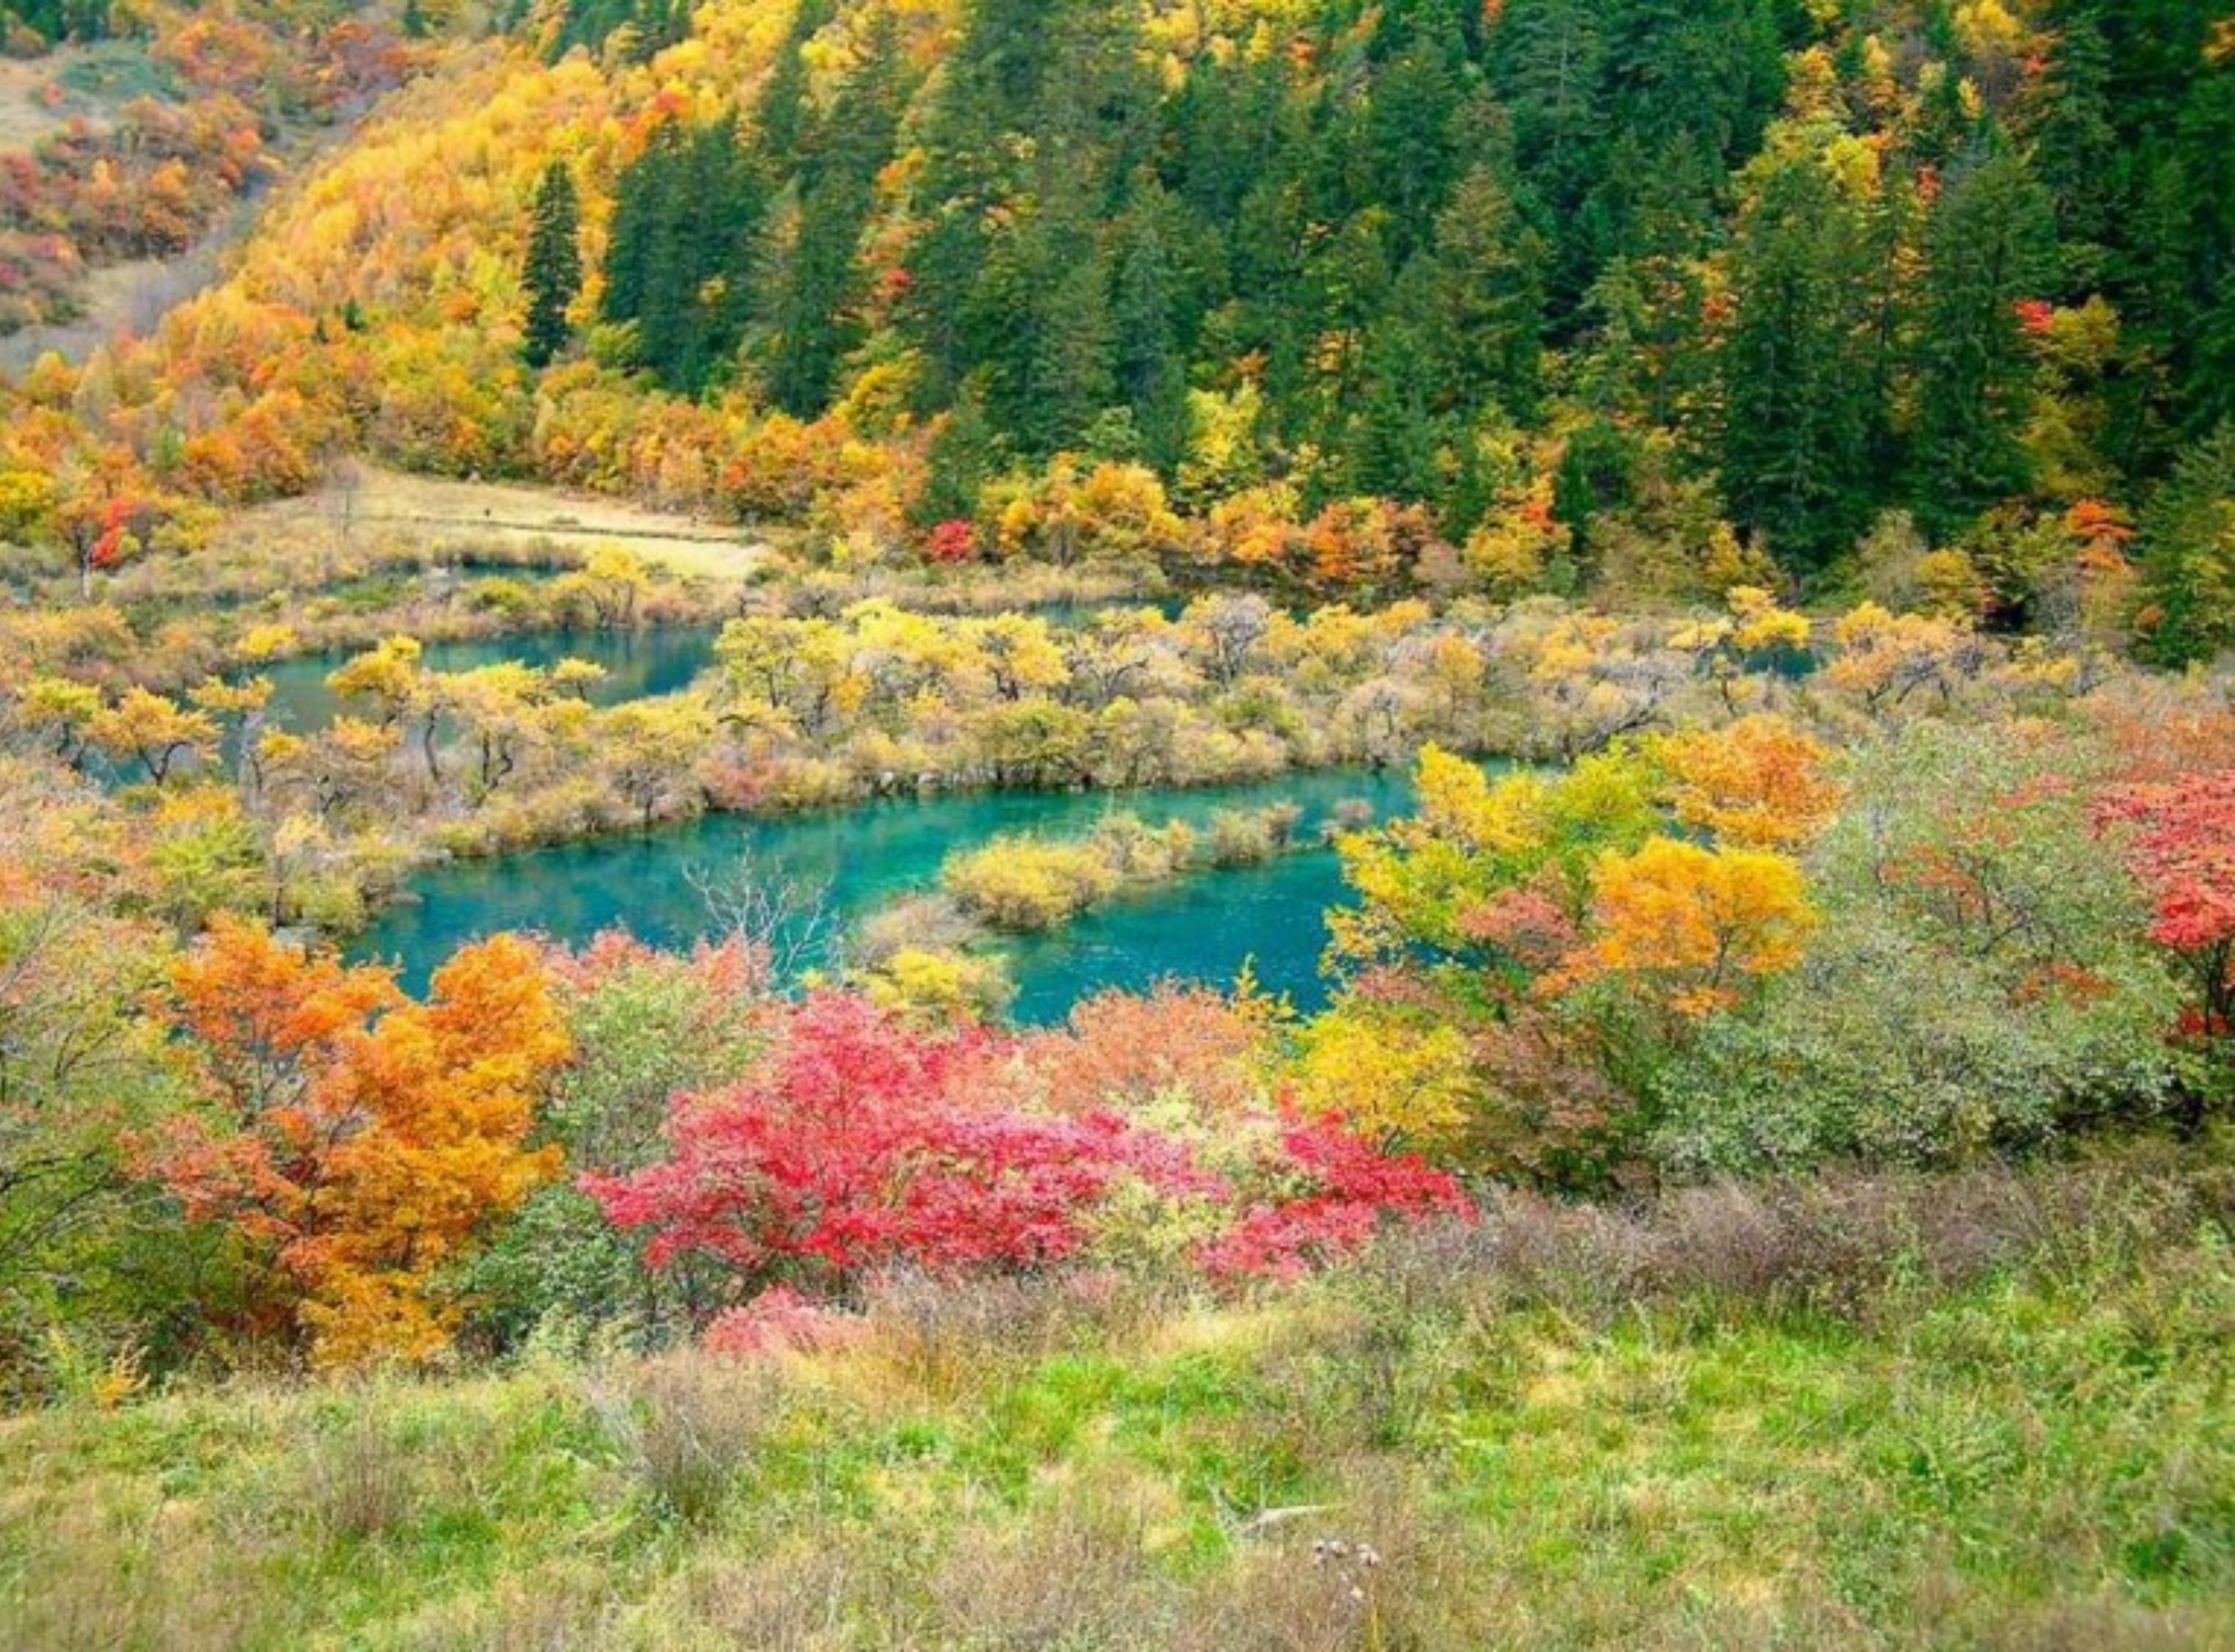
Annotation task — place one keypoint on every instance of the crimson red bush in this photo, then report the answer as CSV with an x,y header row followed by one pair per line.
x,y
864,1144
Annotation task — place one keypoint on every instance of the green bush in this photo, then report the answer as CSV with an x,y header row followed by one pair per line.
x,y
1979,981
645,1025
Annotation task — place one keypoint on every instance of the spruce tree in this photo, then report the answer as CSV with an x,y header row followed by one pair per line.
x,y
1151,372
1486,277
1989,245
553,274
1794,367
813,312
2188,555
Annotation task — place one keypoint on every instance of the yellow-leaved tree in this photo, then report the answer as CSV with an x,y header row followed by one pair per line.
x,y
1692,927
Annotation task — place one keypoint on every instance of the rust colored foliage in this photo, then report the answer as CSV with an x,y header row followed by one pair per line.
x,y
358,1140
1127,1049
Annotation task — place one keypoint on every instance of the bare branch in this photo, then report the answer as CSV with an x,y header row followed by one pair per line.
x,y
787,923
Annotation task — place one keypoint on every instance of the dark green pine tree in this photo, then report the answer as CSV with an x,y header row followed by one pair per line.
x,y
1547,60
1484,280
552,273
2188,555
974,134
686,217
964,454
1622,108
1989,245
644,201
1795,367
1149,368
2206,137
1392,444
780,119
2068,125
670,338
2172,98
815,321
1410,145
1066,341
1347,285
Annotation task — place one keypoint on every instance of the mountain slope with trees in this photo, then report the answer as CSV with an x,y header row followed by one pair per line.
x,y
1539,295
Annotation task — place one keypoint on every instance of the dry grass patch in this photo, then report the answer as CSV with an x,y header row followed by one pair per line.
x,y
27,113
438,512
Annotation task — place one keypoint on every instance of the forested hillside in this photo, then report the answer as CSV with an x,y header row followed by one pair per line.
x,y
1547,294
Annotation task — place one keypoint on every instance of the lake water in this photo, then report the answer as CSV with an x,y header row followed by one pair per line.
x,y
1201,928
652,660
656,660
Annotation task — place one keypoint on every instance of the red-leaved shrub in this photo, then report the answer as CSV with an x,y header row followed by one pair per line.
x,y
864,1144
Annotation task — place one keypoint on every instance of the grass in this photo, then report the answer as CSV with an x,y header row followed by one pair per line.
x,y
1991,1413
436,513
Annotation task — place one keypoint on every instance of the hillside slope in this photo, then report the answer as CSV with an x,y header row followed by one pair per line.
x,y
1658,297
1982,1413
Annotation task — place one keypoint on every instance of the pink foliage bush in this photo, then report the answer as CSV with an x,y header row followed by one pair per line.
x,y
1350,1189
780,1320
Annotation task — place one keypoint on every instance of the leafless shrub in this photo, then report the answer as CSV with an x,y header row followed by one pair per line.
x,y
2107,1626
1838,1242
786,923
571,1605
928,922
946,1333
1371,1570
1349,814
798,1597
97,1565
1076,1575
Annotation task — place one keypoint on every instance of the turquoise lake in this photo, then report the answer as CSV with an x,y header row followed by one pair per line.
x,y
654,660
1201,928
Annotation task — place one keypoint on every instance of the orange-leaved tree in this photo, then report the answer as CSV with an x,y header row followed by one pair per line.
x,y
1693,926
1759,783
357,1140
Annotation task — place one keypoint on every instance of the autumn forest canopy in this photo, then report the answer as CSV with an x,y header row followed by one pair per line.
x,y
1561,295
1083,823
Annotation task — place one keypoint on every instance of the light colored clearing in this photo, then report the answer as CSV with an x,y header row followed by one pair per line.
x,y
460,516
25,114
91,81
118,298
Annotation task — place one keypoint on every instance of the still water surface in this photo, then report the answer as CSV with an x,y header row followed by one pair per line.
x,y
1201,928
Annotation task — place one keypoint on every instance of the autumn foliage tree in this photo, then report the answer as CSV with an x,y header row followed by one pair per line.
x,y
2179,841
853,1148
1691,927
1759,783
1505,937
357,1140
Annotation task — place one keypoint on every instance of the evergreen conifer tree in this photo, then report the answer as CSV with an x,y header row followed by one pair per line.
x,y
553,274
